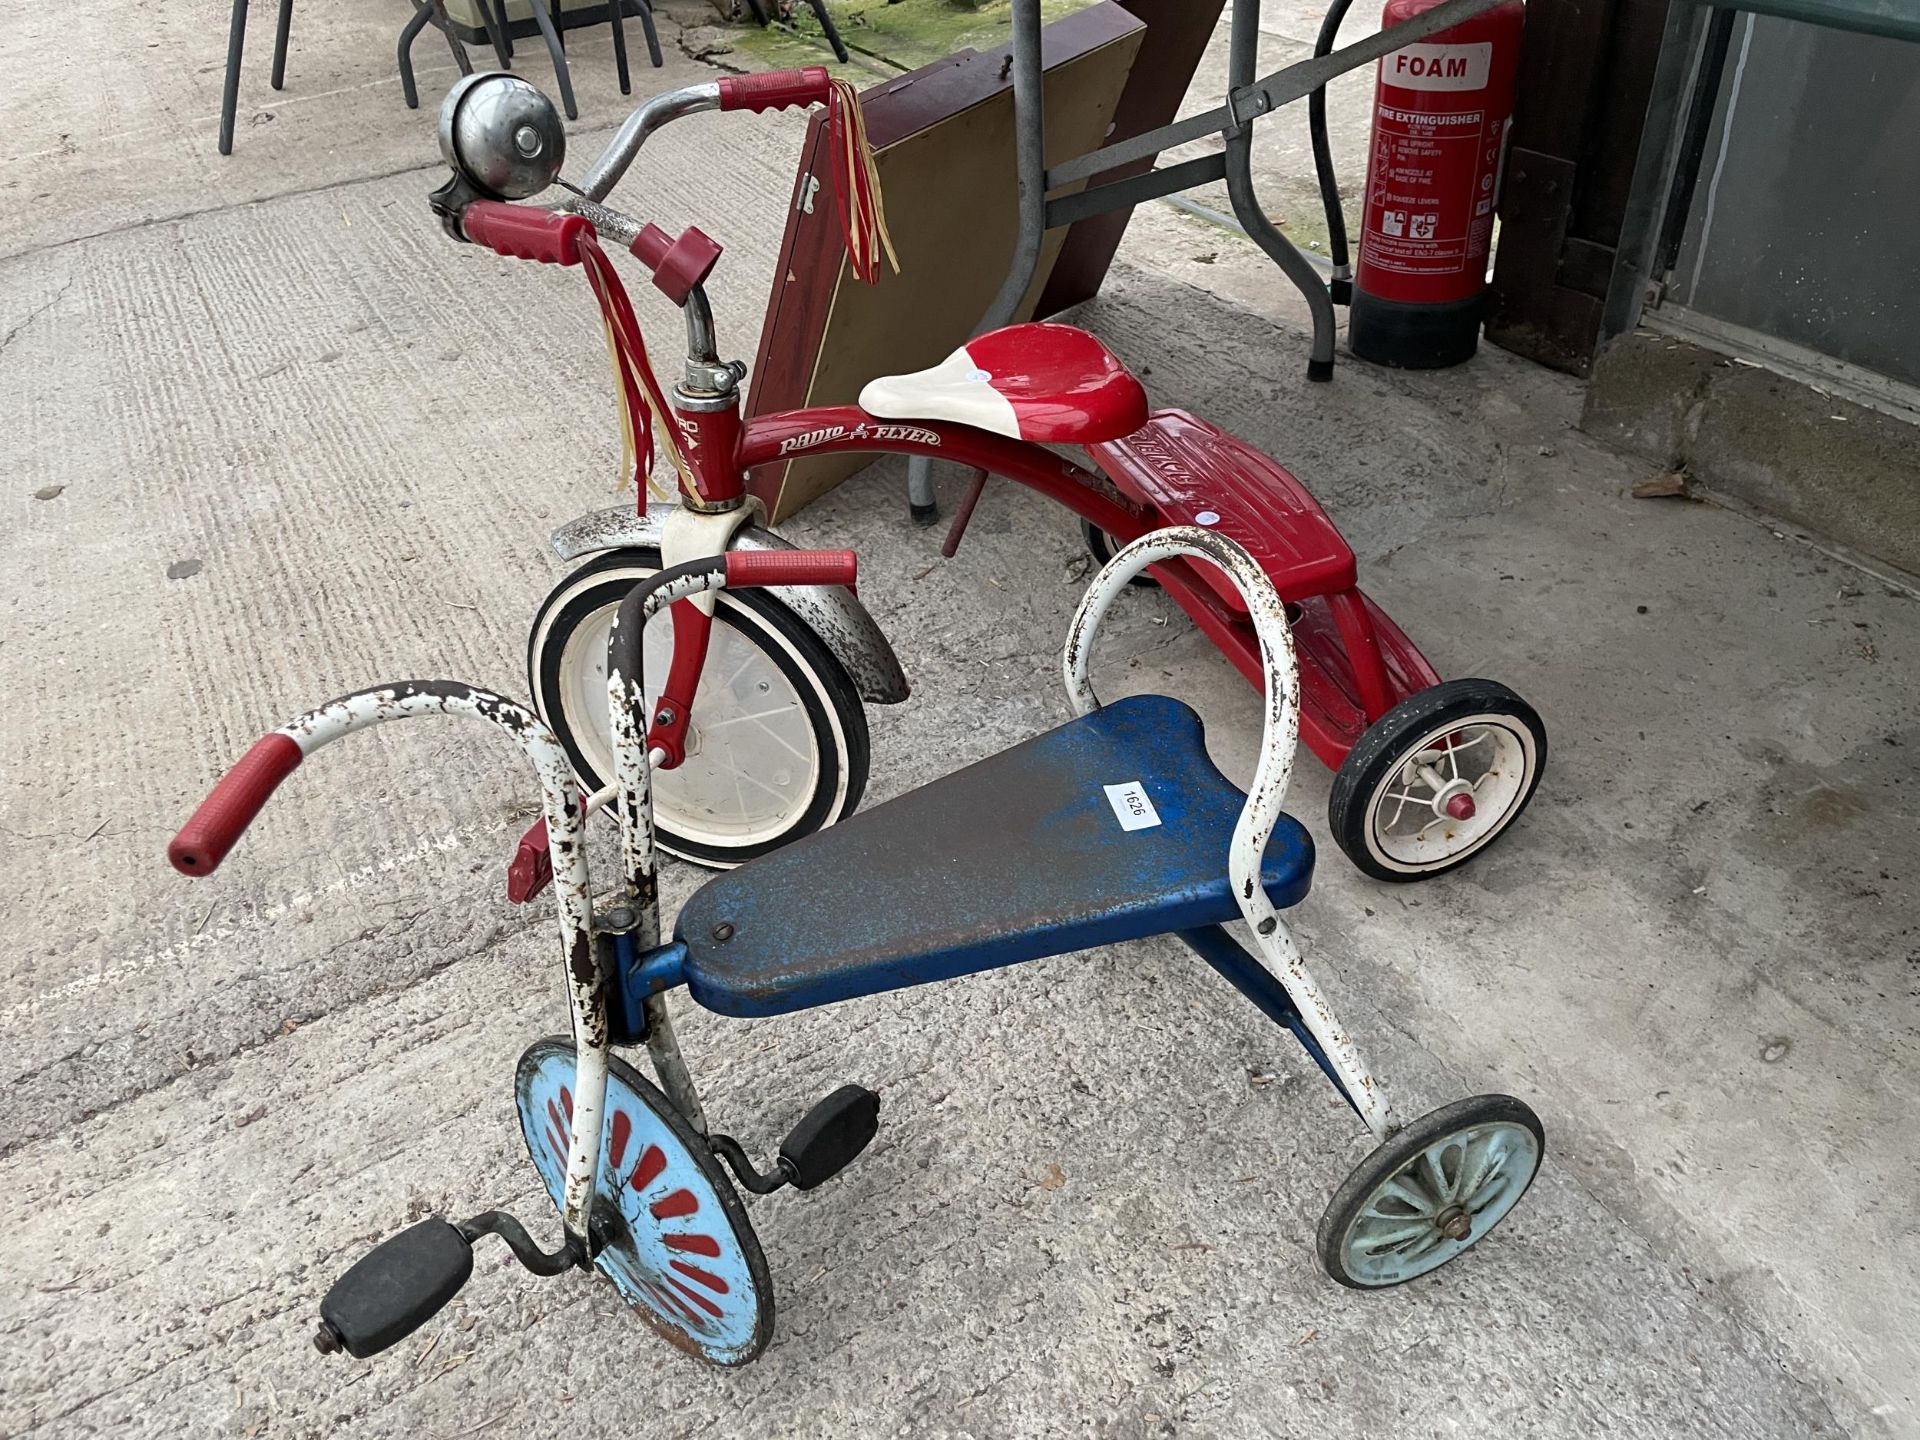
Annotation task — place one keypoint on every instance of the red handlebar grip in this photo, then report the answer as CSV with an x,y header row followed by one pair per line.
x,y
776,89
525,232
230,806
790,567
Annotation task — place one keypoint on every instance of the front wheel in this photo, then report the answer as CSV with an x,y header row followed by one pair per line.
x,y
669,1230
1436,779
777,747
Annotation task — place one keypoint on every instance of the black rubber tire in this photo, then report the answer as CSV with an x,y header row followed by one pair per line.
x,y
1393,1154
1100,545
827,692
1383,749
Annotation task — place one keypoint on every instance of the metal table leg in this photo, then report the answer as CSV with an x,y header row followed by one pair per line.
x,y
497,31
616,12
1342,286
416,22
1242,61
833,35
1030,165
230,91
1663,138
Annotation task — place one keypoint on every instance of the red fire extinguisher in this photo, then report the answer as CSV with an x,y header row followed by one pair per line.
x,y
1442,108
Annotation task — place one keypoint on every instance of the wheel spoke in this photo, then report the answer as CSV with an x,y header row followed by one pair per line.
x,y
1404,800
750,715
1482,1162
782,741
751,656
1407,1193
1375,1241
1489,1191
1420,1247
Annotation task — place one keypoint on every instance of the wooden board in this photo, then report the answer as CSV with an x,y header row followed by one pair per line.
x,y
943,141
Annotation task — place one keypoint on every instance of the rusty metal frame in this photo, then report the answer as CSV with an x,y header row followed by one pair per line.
x,y
1279,736
633,763
587,984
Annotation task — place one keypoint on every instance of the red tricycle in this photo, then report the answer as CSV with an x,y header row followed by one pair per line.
x,y
758,731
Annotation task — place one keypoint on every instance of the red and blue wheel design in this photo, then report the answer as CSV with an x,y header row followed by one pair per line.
x,y
674,1238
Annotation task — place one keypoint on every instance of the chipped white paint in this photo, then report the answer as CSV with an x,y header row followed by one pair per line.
x,y
1279,735
573,886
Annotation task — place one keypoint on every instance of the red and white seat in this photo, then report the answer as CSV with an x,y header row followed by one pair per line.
x,y
1052,384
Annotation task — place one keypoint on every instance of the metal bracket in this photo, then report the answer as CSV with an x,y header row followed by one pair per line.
x,y
1261,97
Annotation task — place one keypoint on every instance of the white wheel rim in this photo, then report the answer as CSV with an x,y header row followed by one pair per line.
x,y
753,762
1439,1202
1490,757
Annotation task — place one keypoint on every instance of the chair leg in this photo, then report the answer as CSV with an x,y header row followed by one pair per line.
x,y
833,35
643,11
505,32
422,13
230,91
559,54
615,10
759,13
496,34
444,24
280,44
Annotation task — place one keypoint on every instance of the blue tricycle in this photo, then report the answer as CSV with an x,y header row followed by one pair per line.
x,y
1110,827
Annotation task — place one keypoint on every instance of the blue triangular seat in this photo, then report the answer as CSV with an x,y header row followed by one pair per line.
x,y
1019,856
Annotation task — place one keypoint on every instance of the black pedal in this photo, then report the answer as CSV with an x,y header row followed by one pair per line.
x,y
830,1136
394,1289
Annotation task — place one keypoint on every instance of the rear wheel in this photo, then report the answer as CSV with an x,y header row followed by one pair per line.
x,y
1101,547
1437,779
1430,1192
777,747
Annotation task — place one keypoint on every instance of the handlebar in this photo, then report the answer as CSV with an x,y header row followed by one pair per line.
x,y
776,89
205,839
649,117
627,706
232,804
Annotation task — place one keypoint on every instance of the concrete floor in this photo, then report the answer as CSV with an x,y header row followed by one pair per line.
x,y
1696,957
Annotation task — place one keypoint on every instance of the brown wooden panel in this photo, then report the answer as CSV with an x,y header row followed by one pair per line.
x,y
1562,65
943,141
1606,170
1586,69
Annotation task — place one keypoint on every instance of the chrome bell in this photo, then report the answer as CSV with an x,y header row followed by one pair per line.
x,y
502,135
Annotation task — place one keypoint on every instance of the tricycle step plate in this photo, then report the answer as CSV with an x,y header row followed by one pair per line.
x,y
1195,473
1112,827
